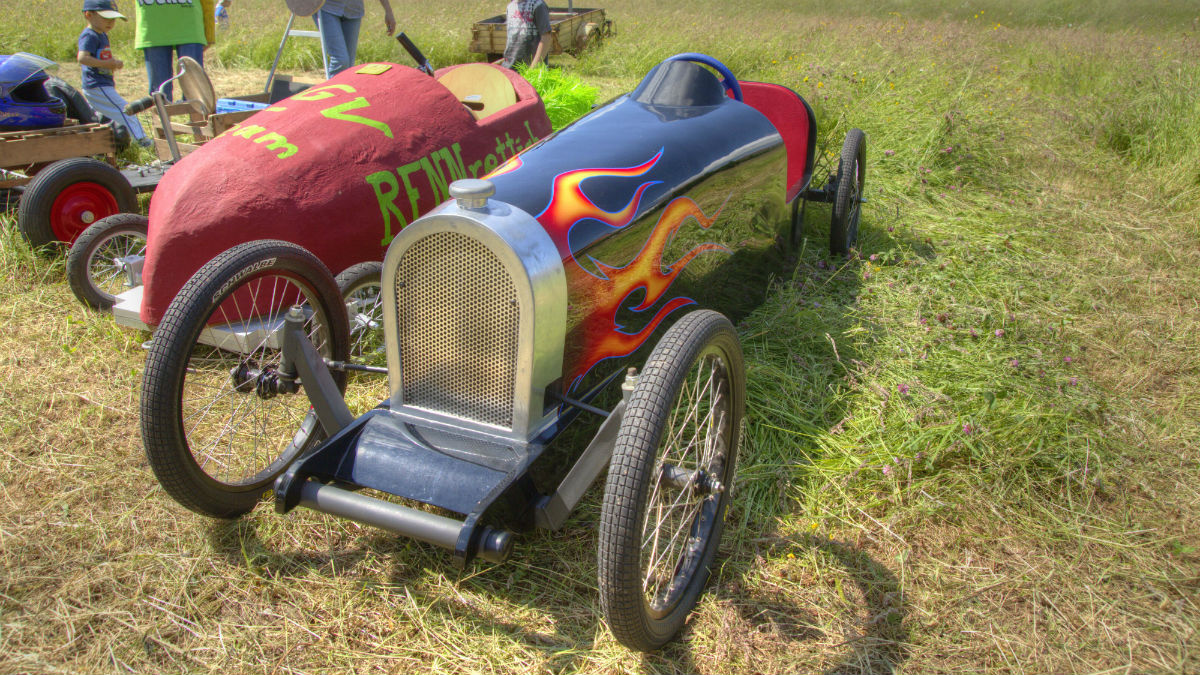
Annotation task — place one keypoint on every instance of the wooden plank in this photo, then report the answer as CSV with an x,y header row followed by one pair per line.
x,y
219,124
25,148
13,182
164,148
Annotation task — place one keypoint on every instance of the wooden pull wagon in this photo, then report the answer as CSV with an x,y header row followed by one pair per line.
x,y
571,31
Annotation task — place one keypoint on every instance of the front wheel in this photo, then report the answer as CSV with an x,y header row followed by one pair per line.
x,y
107,259
847,202
217,424
361,289
669,481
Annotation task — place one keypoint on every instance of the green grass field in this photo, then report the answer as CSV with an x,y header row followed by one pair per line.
x,y
970,448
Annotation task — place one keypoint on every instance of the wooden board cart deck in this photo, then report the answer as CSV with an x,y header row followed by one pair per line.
x,y
571,31
24,151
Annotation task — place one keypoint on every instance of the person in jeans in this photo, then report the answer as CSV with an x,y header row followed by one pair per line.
x,y
339,21
183,28
97,65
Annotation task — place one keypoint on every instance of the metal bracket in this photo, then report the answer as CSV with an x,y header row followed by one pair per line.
x,y
552,511
322,391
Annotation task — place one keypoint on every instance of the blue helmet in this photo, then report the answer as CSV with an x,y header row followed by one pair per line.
x,y
24,102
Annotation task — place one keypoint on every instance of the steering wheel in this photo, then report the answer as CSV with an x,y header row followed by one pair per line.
x,y
728,80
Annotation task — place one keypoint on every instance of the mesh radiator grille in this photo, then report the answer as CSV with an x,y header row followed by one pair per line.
x,y
459,316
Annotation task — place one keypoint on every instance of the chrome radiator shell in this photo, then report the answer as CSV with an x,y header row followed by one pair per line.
x,y
475,313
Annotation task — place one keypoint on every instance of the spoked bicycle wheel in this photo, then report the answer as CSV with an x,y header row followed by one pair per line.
x,y
847,202
669,480
361,289
363,294
105,260
217,425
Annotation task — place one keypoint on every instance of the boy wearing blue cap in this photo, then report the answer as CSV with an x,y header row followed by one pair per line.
x,y
96,59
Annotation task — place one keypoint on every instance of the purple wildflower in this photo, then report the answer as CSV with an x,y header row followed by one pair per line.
x,y
888,153
891,229
902,388
821,264
967,428
973,333
886,469
874,257
1074,381
1014,363
1066,359
999,332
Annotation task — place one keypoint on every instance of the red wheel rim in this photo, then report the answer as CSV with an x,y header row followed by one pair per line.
x,y
78,206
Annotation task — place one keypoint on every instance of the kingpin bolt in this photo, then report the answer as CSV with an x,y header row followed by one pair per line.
x,y
630,382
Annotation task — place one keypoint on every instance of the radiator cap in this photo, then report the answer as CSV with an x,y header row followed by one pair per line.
x,y
472,193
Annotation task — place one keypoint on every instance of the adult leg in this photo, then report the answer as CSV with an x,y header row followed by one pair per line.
x,y
337,57
193,49
158,68
350,32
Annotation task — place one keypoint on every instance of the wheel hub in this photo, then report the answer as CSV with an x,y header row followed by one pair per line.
x,y
79,205
698,480
266,383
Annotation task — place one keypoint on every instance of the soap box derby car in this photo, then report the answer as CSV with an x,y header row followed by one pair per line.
x,y
339,169
621,242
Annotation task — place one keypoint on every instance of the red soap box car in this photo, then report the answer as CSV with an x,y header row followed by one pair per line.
x,y
339,169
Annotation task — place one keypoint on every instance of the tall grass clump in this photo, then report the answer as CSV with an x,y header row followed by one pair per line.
x,y
565,95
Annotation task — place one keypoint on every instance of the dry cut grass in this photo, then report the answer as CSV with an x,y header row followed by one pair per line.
x,y
970,448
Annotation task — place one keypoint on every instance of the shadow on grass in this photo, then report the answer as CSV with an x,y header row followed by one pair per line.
x,y
238,542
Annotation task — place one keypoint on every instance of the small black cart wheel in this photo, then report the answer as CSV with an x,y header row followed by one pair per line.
x,y
66,197
216,426
363,295
847,203
669,480
107,259
77,105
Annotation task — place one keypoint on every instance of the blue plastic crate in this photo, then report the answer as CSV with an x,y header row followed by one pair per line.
x,y
228,105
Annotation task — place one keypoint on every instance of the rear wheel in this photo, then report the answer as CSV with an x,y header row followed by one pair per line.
x,y
106,259
216,426
847,202
66,197
799,207
669,480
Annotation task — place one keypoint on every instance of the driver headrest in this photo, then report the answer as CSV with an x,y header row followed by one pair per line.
x,y
679,83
